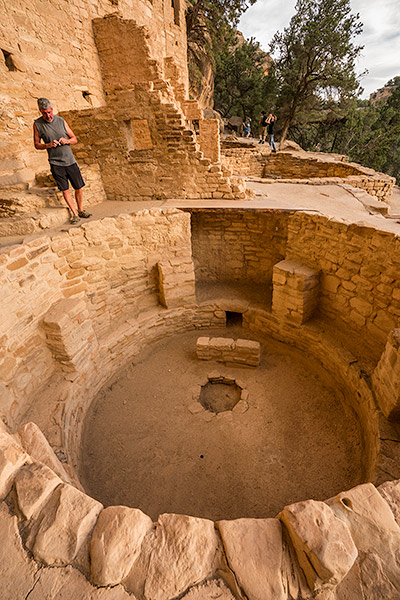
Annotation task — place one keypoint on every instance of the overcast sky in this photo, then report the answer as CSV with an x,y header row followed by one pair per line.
x,y
380,37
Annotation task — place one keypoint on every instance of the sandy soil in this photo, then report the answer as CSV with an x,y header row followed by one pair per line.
x,y
142,447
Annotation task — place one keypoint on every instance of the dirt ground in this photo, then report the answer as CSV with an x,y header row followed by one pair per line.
x,y
143,448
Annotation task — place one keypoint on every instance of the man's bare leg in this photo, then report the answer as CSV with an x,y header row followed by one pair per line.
x,y
70,202
79,199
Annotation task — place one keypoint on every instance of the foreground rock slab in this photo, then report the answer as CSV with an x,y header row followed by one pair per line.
x,y
183,555
323,543
33,485
63,526
17,570
116,543
254,551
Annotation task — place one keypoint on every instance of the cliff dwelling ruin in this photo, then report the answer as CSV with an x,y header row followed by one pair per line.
x,y
199,385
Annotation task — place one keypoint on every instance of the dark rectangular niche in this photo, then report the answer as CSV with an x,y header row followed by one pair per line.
x,y
233,318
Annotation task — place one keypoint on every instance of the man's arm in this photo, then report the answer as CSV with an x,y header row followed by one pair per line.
x,y
71,136
38,144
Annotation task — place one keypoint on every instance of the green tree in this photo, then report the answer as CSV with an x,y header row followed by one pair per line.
x,y
214,13
374,136
316,58
241,86
207,24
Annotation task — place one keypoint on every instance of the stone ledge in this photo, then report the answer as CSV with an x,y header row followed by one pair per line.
x,y
244,352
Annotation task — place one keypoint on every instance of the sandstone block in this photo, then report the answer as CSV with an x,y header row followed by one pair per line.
x,y
323,544
68,583
377,537
183,555
33,485
366,502
390,491
17,570
254,551
63,526
116,543
12,457
215,590
37,446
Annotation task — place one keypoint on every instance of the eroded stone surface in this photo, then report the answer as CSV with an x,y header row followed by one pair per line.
x,y
63,526
68,583
323,544
211,590
12,457
254,551
377,537
18,571
390,491
37,446
34,484
183,555
116,543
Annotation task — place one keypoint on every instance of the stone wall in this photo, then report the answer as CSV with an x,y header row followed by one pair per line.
x,y
359,265
245,161
297,167
232,245
46,52
141,138
294,166
112,263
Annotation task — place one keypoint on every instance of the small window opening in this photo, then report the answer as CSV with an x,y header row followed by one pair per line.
x,y
234,318
129,135
176,6
8,59
88,97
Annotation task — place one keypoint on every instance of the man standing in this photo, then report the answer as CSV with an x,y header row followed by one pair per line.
x,y
263,122
271,122
58,138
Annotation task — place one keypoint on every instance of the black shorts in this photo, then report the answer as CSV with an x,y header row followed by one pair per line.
x,y
70,173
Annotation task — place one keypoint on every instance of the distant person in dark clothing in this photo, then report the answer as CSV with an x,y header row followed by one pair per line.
x,y
57,138
263,122
271,122
247,127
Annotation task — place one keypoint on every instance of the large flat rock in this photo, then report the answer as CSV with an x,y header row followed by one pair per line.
x,y
67,583
18,571
254,551
63,525
116,543
33,485
183,555
323,544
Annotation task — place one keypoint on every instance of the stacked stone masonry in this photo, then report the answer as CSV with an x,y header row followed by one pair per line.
x,y
244,352
68,70
141,138
295,291
296,167
358,264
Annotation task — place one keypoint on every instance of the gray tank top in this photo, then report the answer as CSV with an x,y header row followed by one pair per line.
x,y
61,155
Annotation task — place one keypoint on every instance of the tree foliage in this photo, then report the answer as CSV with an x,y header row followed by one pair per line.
x,y
241,87
213,14
316,58
207,25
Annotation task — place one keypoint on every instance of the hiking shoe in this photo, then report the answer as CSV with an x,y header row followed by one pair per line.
x,y
84,214
74,219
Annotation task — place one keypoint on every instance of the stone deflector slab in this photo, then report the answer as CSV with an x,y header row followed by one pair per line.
x,y
116,543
